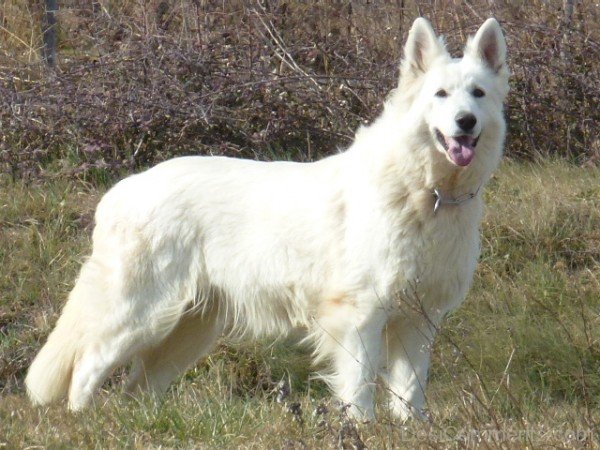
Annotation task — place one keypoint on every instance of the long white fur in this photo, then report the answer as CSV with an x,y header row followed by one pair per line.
x,y
347,247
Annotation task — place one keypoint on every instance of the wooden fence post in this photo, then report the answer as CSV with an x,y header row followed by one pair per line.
x,y
49,31
567,26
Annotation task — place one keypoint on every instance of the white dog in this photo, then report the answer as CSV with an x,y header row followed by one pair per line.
x,y
367,249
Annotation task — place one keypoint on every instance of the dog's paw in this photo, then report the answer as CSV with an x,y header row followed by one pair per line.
x,y
403,411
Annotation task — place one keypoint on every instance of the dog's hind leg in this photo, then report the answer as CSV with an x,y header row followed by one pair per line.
x,y
95,363
194,336
101,354
100,327
116,317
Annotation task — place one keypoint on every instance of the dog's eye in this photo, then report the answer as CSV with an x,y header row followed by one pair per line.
x,y
441,93
478,92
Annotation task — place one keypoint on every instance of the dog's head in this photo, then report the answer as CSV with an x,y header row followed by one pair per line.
x,y
459,101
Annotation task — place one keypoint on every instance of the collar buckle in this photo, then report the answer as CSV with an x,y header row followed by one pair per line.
x,y
441,200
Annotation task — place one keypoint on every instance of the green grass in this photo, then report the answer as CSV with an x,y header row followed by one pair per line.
x,y
517,365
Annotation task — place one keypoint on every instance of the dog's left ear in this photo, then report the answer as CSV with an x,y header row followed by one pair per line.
x,y
488,45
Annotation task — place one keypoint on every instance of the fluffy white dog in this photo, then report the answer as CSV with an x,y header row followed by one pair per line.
x,y
367,249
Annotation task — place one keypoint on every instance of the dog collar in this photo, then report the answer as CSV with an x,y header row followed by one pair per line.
x,y
442,200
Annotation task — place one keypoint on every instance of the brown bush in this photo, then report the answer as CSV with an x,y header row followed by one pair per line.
x,y
138,82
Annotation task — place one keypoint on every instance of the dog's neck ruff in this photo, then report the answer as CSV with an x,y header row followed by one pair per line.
x,y
441,199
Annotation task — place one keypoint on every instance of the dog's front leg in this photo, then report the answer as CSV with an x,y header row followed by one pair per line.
x,y
405,361
356,360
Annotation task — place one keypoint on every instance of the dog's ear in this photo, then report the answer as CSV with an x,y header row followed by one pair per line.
x,y
488,45
421,49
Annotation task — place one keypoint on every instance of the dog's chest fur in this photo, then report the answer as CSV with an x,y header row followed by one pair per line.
x,y
432,256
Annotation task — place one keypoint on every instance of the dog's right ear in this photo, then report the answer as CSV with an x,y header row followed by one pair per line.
x,y
421,49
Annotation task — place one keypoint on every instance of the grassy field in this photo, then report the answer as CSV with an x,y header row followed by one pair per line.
x,y
517,365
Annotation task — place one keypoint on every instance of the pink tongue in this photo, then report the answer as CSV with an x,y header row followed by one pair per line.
x,y
461,149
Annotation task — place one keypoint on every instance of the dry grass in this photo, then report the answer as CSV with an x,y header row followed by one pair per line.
x,y
516,365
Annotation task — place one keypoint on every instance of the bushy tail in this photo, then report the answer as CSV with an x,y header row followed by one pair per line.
x,y
49,376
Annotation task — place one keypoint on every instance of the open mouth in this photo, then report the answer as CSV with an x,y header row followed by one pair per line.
x,y
460,149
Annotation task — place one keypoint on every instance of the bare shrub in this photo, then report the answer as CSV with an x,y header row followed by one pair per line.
x,y
138,82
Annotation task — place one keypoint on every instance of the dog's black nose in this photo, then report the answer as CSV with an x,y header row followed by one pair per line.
x,y
466,122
